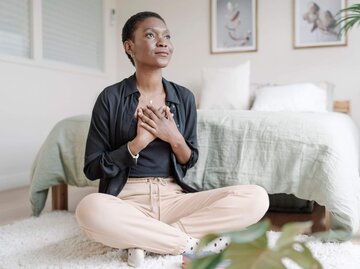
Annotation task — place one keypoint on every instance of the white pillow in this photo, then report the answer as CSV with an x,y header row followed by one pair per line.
x,y
305,97
225,88
329,90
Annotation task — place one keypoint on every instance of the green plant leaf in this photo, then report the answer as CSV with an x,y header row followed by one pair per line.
x,y
254,256
251,250
299,253
205,262
349,17
248,255
333,235
289,231
249,234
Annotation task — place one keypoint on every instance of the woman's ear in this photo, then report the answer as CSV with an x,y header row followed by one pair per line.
x,y
128,47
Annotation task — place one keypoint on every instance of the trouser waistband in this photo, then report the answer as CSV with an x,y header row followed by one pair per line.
x,y
153,182
149,179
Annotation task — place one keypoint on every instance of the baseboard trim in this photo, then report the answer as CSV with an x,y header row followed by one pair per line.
x,y
13,181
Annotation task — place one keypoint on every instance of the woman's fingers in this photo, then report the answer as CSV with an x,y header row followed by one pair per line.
x,y
154,118
144,118
147,120
168,112
148,127
152,112
163,111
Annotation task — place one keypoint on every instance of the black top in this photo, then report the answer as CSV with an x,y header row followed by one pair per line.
x,y
112,126
153,161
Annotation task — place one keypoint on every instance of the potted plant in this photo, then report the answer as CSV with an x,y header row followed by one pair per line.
x,y
350,19
249,248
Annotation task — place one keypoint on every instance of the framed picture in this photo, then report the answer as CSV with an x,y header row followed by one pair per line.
x,y
315,23
233,25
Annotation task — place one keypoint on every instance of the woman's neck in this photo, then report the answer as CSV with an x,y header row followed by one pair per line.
x,y
150,81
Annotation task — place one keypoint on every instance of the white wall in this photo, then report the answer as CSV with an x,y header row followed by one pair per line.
x,y
275,61
35,95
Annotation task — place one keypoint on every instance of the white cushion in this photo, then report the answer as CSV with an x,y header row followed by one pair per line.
x,y
329,90
226,87
305,97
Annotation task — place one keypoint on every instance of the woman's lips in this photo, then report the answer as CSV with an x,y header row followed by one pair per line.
x,y
162,53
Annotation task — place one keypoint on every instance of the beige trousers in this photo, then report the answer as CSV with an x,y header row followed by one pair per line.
x,y
155,215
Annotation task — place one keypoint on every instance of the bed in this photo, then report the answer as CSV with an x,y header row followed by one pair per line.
x,y
285,138
311,156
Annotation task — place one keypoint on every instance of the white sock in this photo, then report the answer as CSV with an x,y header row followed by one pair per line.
x,y
191,245
136,257
215,246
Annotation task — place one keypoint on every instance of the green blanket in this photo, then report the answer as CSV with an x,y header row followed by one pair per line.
x,y
60,160
311,155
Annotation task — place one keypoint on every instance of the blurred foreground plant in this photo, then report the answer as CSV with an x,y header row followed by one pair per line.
x,y
249,249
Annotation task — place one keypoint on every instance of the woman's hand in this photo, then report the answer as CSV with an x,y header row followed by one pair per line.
x,y
160,123
143,136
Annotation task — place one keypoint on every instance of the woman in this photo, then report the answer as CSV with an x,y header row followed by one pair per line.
x,y
141,141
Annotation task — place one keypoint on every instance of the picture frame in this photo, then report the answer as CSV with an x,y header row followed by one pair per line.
x,y
314,23
233,26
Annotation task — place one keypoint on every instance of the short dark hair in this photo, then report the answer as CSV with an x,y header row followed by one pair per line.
x,y
131,25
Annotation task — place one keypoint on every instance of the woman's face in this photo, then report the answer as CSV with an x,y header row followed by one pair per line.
x,y
151,45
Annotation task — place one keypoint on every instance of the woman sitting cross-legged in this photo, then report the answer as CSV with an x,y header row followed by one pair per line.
x,y
141,141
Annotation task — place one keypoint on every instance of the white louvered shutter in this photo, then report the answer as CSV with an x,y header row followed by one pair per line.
x,y
73,32
15,34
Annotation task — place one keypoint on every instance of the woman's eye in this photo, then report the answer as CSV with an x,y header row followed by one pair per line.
x,y
167,36
149,35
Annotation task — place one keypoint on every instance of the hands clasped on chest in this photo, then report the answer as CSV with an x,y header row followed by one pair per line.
x,y
156,123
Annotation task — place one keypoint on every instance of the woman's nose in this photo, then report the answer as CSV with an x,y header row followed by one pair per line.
x,y
162,42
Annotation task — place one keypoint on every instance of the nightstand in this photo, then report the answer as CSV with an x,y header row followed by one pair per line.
x,y
342,106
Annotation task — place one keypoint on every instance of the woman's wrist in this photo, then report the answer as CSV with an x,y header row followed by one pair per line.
x,y
177,141
134,147
135,156
180,149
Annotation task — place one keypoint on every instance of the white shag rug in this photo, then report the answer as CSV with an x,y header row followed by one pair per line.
x,y
54,240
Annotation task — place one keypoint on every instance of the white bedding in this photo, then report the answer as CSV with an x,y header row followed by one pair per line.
x,y
314,156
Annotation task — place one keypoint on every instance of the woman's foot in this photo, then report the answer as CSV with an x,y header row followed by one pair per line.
x,y
215,246
136,257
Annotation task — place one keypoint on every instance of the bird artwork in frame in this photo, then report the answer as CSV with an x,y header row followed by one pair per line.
x,y
315,23
233,26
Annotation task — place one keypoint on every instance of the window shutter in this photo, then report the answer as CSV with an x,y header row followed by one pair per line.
x,y
73,32
15,28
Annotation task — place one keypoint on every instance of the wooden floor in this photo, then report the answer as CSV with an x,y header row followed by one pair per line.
x,y
15,204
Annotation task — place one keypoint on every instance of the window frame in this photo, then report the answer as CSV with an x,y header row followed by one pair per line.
x,y
36,58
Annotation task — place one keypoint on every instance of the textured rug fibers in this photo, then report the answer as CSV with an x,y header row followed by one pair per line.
x,y
54,240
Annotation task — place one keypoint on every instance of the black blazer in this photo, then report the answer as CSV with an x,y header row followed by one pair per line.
x,y
113,124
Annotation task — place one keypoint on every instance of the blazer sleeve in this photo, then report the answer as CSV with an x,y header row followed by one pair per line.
x,y
101,159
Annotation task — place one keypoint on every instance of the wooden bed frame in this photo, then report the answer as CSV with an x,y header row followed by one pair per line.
x,y
319,216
